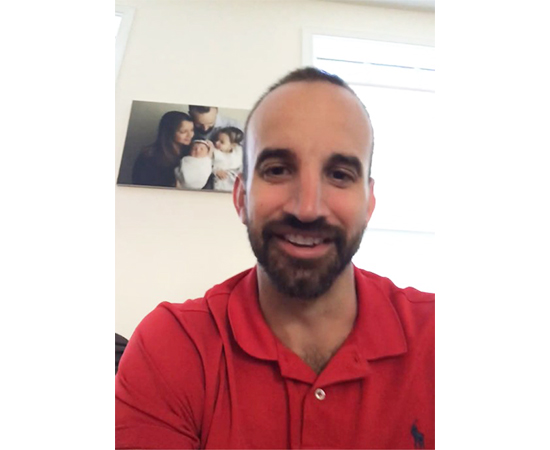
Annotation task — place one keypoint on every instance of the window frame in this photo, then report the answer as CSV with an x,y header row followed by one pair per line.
x,y
308,32
126,14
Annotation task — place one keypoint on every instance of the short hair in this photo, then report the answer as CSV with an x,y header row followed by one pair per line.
x,y
307,74
199,109
235,134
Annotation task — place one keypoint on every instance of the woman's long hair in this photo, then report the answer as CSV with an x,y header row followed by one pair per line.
x,y
164,150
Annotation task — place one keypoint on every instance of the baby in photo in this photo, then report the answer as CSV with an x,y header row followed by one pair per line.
x,y
228,158
195,169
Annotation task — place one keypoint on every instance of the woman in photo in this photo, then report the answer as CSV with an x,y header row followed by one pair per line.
x,y
156,163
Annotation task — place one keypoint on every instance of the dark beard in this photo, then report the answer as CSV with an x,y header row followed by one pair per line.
x,y
303,278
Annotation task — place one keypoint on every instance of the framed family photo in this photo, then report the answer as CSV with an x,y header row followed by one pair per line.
x,y
178,146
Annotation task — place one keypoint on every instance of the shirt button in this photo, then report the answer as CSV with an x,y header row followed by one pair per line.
x,y
320,394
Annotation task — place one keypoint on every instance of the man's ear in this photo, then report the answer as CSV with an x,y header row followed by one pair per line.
x,y
239,198
371,200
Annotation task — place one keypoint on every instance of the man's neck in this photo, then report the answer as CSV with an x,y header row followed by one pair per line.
x,y
314,329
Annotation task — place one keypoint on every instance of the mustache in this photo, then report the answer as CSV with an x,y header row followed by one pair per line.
x,y
292,222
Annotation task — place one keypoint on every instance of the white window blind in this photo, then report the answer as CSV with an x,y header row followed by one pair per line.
x,y
396,82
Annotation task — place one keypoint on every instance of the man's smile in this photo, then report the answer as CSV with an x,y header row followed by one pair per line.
x,y
303,246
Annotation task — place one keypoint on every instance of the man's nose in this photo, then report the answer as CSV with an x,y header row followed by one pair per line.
x,y
306,198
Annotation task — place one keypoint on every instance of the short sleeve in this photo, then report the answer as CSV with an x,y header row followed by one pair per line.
x,y
159,393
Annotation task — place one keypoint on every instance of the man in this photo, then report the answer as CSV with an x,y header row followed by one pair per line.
x,y
305,350
208,120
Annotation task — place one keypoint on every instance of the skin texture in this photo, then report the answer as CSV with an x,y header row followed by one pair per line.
x,y
309,147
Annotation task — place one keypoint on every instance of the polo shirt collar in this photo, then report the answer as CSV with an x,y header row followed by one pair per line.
x,y
247,321
377,333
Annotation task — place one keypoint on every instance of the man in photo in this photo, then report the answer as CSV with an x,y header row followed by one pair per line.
x,y
208,120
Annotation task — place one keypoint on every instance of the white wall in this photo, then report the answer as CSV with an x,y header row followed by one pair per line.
x,y
174,245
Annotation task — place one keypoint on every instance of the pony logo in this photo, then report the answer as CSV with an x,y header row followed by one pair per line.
x,y
417,436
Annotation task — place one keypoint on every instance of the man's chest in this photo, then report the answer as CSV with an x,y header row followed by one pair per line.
x,y
269,406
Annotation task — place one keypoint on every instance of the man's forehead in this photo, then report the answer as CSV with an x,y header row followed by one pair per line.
x,y
304,98
312,107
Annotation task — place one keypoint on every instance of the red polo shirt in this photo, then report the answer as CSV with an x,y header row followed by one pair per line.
x,y
209,373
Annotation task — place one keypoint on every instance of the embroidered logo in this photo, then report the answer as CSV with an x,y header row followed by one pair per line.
x,y
418,436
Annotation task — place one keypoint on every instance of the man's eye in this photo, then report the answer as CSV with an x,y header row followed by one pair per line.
x,y
275,171
342,176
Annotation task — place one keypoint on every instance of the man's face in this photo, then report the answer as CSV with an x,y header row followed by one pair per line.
x,y
205,121
308,197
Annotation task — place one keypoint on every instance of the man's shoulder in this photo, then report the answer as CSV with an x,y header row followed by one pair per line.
x,y
415,308
389,288
198,313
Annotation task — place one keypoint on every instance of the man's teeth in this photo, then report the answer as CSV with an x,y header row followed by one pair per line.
x,y
303,240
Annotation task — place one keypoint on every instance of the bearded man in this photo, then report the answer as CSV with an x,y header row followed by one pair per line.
x,y
305,350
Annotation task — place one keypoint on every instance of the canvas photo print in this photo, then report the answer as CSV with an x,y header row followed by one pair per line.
x,y
189,147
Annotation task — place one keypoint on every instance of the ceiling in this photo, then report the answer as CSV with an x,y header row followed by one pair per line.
x,y
423,5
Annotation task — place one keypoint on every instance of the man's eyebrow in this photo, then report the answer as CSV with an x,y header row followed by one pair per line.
x,y
276,153
351,161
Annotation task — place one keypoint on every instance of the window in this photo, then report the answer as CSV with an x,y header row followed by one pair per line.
x,y
123,21
118,20
396,82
